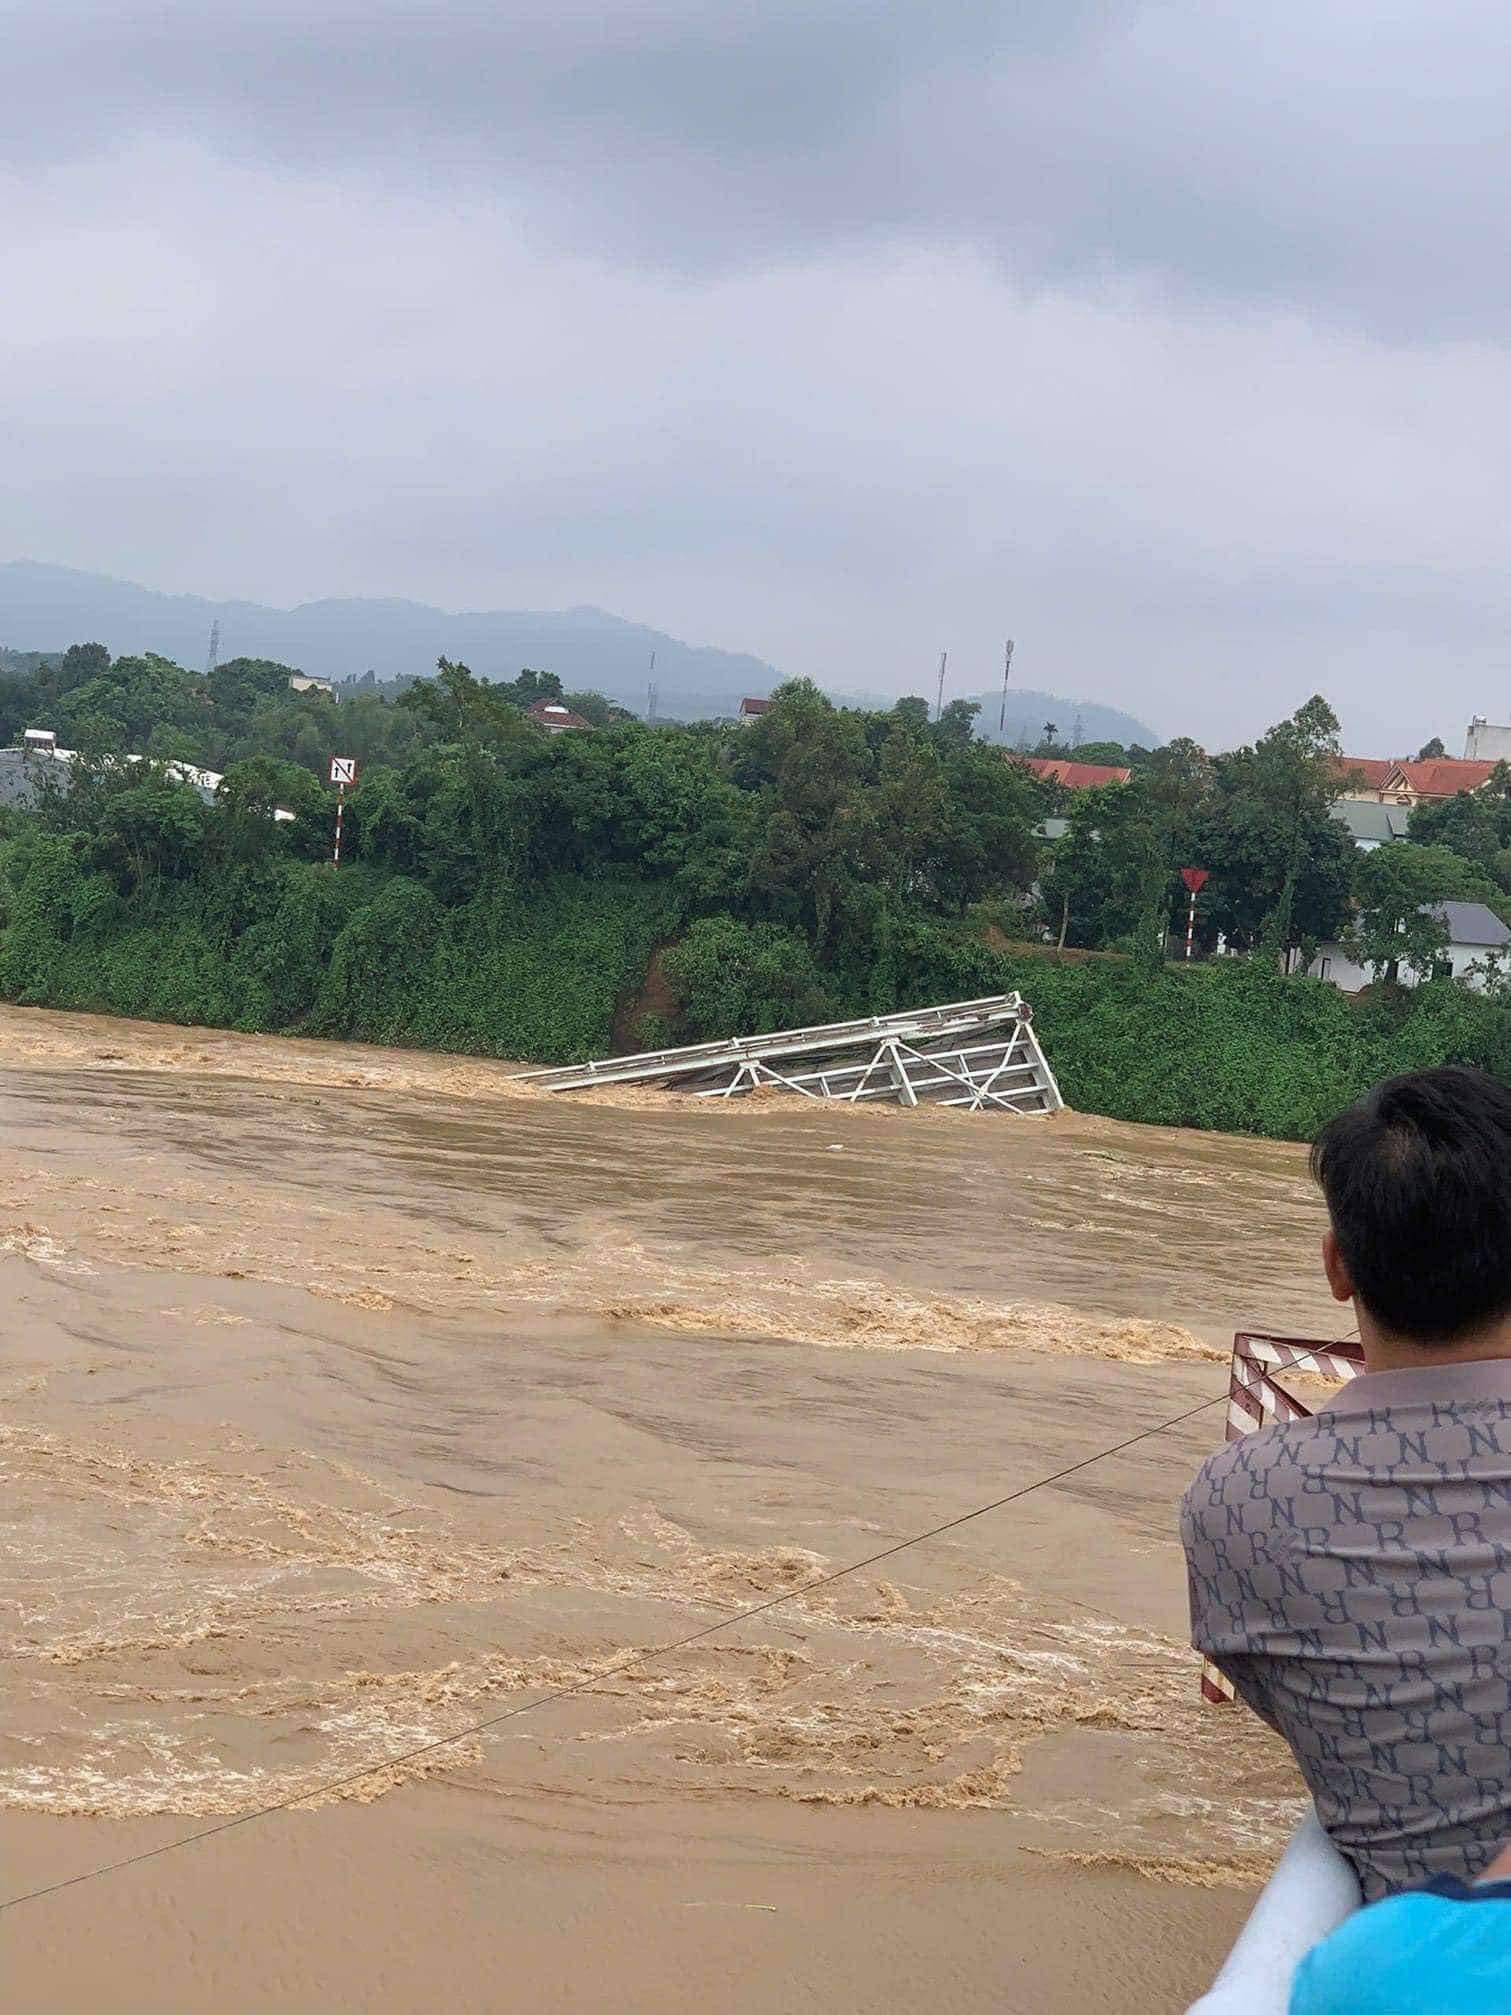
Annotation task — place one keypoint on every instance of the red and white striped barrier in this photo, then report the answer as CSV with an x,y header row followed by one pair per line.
x,y
1256,1399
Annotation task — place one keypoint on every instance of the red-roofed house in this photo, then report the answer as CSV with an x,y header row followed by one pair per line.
x,y
1438,777
752,710
1362,777
1073,775
555,718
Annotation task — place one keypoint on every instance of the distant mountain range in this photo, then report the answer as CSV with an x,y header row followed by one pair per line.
x,y
46,608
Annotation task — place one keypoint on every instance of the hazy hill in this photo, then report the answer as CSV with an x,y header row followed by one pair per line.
x,y
46,608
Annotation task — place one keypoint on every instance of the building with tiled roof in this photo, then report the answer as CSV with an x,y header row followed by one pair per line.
x,y
1437,777
555,718
1072,775
1362,777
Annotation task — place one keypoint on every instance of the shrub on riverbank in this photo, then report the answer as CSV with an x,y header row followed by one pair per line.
x,y
294,948
1229,1045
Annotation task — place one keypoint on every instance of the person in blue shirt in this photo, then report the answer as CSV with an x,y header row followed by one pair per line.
x,y
1444,1949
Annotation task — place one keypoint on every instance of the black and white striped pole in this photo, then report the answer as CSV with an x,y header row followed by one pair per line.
x,y
343,772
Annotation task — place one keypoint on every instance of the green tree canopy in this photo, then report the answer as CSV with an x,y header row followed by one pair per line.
x,y
1281,865
738,978
78,665
129,699
458,707
956,726
1474,824
1105,882
528,688
597,709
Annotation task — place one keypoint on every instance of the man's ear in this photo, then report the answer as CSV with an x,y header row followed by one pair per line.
x,y
1339,1279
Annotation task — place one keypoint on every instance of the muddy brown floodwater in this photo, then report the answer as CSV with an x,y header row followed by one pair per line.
x,y
350,1397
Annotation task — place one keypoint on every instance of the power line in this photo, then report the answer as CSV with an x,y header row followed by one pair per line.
x,y
631,1664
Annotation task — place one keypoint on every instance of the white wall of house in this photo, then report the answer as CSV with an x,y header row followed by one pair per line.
x,y
1333,963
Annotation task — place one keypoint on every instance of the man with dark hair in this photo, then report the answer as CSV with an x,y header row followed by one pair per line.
x,y
1351,1573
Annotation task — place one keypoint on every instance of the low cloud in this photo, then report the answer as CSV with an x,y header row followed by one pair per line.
x,y
1338,157
1165,339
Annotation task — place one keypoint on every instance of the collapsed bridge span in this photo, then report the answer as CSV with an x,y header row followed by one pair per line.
x,y
981,1055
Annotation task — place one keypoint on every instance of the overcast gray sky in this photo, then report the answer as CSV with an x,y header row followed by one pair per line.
x,y
1173,339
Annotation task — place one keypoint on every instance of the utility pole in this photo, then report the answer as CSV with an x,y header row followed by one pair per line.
x,y
944,658
1007,672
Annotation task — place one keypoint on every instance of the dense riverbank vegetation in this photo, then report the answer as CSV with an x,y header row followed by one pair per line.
x,y
511,893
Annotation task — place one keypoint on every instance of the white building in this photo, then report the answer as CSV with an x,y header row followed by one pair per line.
x,y
1486,743
24,772
1474,932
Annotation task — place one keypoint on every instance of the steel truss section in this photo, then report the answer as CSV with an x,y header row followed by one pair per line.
x,y
980,1055
1256,1398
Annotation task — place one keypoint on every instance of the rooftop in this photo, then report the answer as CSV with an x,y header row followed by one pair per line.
x,y
1473,924
1371,770
1442,776
554,715
1371,824
1073,775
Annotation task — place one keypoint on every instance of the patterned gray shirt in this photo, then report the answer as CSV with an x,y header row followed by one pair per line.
x,y
1351,1574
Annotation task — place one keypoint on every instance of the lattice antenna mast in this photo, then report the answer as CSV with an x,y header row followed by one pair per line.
x,y
650,691
1007,672
212,656
944,658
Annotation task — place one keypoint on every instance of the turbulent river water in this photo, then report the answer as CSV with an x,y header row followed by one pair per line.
x,y
350,1397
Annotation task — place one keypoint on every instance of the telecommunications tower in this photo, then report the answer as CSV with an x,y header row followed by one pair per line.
x,y
1007,672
